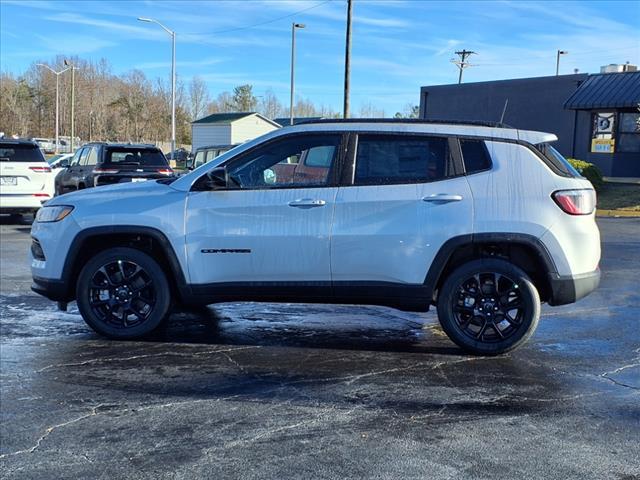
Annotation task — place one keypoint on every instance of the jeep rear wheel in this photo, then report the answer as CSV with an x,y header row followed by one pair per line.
x,y
489,306
123,293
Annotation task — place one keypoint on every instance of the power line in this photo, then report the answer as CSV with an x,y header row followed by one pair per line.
x,y
259,24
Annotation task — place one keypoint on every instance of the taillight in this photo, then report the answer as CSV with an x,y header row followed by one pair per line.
x,y
107,171
41,195
576,202
40,169
165,171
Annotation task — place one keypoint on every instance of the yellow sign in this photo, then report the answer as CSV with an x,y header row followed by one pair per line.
x,y
603,145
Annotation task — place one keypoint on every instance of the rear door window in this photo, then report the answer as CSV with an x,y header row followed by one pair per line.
x,y
15,152
397,159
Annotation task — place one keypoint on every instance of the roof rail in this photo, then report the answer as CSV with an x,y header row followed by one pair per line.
x,y
478,123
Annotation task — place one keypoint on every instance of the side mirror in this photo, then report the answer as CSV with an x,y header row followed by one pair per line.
x,y
64,163
189,163
217,178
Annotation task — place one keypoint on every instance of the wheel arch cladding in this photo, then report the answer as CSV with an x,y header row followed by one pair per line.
x,y
525,251
90,241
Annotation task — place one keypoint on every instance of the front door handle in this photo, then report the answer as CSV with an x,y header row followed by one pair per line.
x,y
442,198
307,203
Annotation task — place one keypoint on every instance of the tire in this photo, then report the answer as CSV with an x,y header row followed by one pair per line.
x,y
122,293
483,320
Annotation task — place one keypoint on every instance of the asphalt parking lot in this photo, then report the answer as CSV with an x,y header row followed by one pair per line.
x,y
303,391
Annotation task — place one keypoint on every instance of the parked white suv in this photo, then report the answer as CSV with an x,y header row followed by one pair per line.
x,y
26,180
483,222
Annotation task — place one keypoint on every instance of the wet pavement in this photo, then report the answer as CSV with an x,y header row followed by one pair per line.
x,y
306,391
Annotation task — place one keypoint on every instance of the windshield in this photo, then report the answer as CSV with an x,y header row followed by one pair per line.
x,y
20,152
136,156
54,158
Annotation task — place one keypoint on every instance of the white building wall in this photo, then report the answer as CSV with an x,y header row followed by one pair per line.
x,y
249,128
203,134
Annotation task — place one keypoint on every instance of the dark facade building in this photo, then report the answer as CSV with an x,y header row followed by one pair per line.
x,y
596,117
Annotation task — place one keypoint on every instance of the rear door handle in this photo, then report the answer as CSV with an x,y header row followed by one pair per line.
x,y
442,198
307,203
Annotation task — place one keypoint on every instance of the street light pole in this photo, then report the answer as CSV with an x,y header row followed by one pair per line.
x,y
293,63
173,80
560,52
57,74
73,98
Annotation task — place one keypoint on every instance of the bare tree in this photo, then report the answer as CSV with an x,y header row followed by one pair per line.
x,y
270,106
198,97
369,110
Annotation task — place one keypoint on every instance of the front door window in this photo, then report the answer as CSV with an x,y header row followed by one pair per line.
x,y
281,164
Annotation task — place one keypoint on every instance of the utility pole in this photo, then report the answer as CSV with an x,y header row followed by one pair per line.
x,y
462,63
57,74
293,65
559,52
347,61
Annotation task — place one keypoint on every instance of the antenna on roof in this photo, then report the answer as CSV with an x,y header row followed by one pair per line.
x,y
504,110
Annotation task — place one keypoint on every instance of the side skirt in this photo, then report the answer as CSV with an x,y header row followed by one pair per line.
x,y
414,298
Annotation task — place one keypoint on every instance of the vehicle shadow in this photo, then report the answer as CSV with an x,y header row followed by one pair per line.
x,y
16,220
287,325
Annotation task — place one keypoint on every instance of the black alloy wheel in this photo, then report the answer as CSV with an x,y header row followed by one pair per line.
x,y
489,306
123,293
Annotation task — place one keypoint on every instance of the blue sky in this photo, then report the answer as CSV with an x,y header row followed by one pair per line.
x,y
397,45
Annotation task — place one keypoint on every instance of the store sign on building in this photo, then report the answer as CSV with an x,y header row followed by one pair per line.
x,y
603,145
602,138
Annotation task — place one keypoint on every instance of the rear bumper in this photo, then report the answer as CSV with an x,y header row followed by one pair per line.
x,y
21,203
571,288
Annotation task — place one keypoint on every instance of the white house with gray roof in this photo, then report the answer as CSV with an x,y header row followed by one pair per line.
x,y
229,128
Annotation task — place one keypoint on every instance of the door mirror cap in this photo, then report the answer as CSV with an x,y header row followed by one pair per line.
x,y
217,178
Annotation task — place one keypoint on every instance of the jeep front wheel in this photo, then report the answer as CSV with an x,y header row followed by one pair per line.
x,y
122,293
488,306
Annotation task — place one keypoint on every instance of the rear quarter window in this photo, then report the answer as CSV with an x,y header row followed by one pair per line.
x,y
556,161
13,152
475,155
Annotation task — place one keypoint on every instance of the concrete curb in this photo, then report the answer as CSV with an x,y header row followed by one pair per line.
x,y
618,213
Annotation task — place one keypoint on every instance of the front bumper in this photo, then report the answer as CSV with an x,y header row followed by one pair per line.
x,y
56,290
571,288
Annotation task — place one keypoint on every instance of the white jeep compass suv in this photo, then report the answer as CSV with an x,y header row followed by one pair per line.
x,y
483,222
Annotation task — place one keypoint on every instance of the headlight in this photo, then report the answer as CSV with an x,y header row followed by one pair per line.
x,y
53,214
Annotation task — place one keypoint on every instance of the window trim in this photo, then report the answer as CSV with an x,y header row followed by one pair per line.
x,y
333,176
452,163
